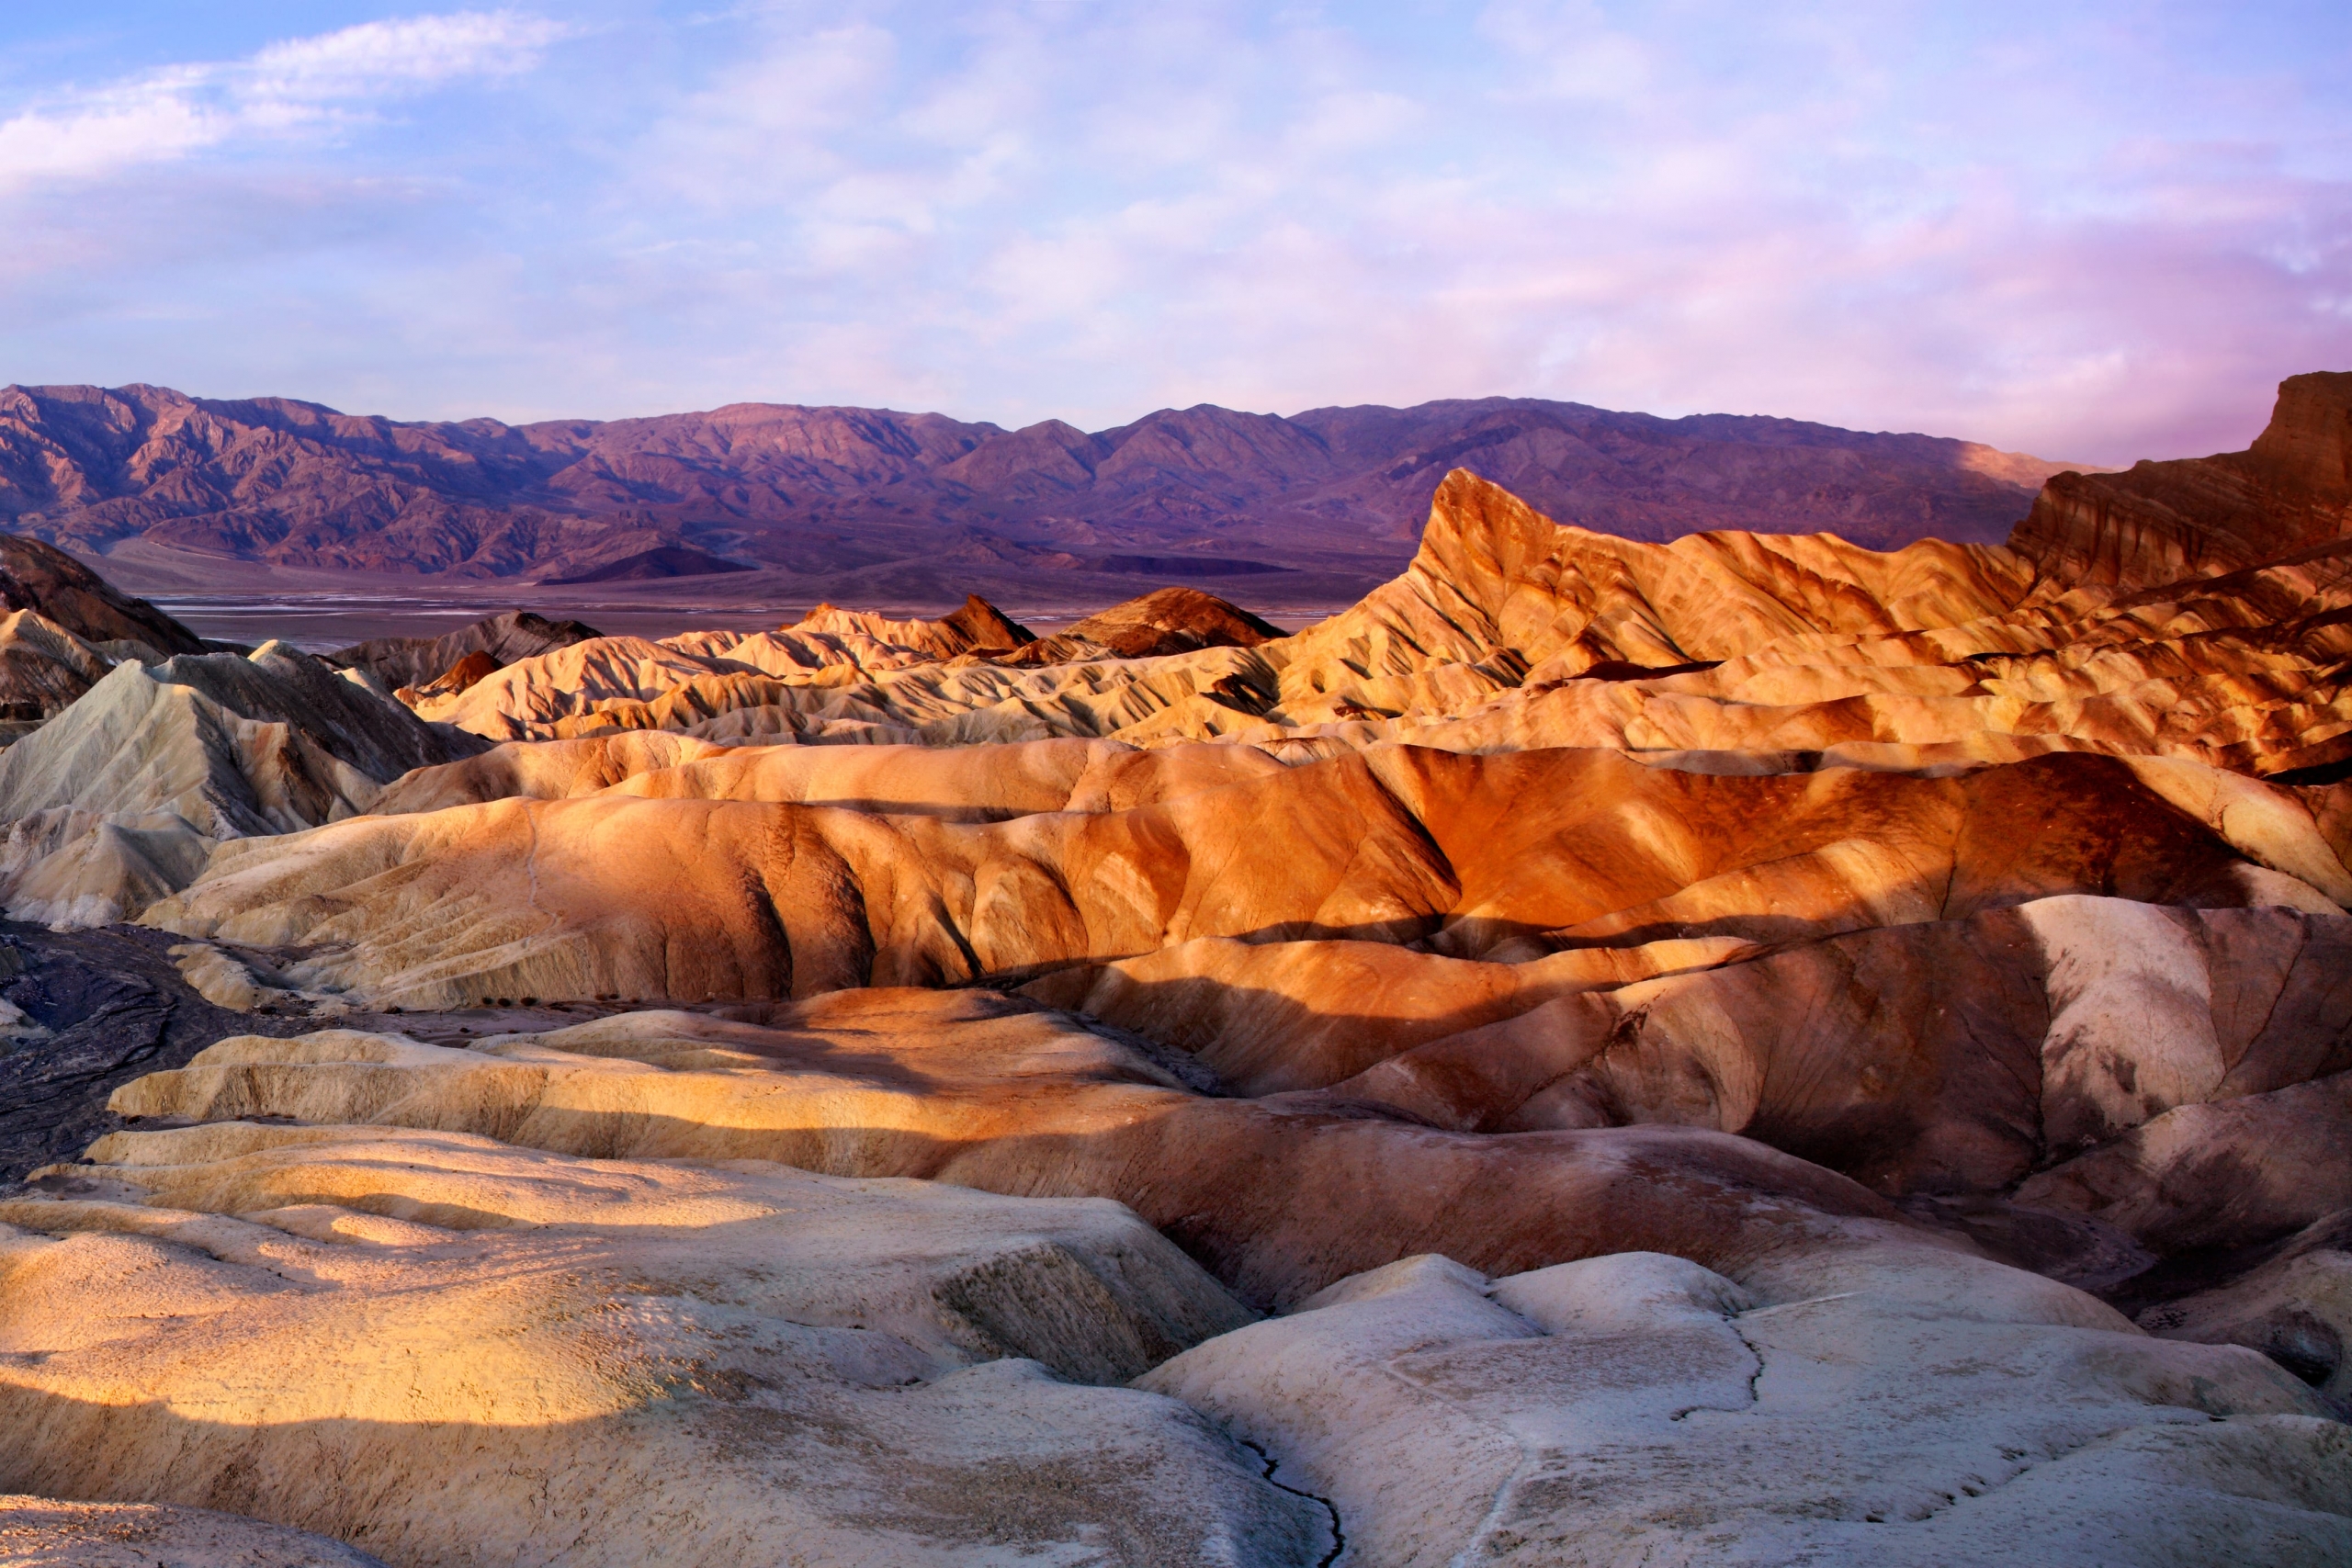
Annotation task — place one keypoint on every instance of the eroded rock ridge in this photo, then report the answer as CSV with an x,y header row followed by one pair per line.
x,y
1743,1048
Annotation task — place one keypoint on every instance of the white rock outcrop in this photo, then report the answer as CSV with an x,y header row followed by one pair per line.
x,y
1837,1408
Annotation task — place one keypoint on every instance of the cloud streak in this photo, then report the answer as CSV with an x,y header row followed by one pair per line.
x,y
2097,234
288,89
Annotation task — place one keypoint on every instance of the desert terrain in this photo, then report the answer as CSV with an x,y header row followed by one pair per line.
x,y
273,501
1816,1035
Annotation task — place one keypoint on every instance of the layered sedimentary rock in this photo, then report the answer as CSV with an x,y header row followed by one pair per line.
x,y
1768,653
2290,495
630,893
1747,1048
1791,1315
114,801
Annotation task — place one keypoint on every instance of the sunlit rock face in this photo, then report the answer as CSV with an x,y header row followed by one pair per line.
x,y
532,1359
1746,1049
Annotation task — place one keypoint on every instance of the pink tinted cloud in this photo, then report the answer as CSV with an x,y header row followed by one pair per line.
x,y
2072,239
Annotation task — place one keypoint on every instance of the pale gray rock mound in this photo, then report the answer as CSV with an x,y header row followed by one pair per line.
x,y
109,800
66,867
1836,1407
47,1533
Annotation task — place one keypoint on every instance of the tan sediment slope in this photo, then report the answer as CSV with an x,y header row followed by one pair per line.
x,y
36,1532
968,784
532,1359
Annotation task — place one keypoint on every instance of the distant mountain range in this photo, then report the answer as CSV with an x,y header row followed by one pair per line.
x,y
876,505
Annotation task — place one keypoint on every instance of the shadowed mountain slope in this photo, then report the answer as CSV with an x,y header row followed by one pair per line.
x,y
828,493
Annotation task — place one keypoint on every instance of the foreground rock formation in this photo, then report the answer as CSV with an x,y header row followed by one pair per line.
x,y
38,1531
1744,1049
1943,1406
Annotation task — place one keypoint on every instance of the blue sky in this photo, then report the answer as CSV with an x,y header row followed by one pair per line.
x,y
2092,231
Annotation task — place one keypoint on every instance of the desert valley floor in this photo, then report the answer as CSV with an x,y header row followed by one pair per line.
x,y
1748,1050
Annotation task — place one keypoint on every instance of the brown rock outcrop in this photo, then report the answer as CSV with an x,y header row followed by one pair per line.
x,y
1174,620
978,627
503,638
462,676
36,576
2206,518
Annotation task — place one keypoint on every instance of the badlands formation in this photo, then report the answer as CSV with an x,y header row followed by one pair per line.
x,y
1741,1050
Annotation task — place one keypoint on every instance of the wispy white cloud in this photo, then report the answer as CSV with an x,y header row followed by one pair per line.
x,y
287,89
2096,231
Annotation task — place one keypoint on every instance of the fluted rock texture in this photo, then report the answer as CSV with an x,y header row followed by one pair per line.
x,y
1739,1048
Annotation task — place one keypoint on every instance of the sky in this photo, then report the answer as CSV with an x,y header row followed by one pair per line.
x,y
2092,231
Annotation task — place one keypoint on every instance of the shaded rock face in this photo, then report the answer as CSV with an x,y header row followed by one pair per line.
x,y
2293,1302
1747,1048
414,661
36,576
1172,620
2289,494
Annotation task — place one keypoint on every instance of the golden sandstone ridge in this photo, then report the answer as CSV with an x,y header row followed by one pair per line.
x,y
1748,1049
